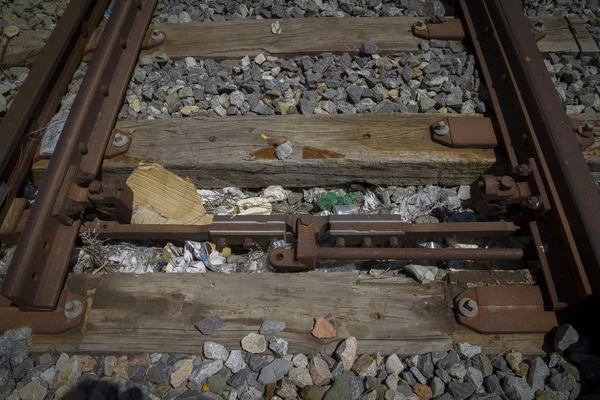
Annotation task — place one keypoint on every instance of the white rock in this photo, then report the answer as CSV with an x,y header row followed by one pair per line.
x,y
184,17
11,31
260,58
276,28
393,364
215,351
245,61
254,343
190,62
422,273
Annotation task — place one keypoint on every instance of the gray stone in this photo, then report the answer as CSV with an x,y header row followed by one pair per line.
x,y
354,93
538,372
451,358
461,390
210,325
256,362
138,372
274,371
492,385
34,390
418,375
443,375
300,377
517,389
159,374
271,327
300,361
234,361
282,152
425,365
426,103
263,109
216,383
466,350
203,371
482,363
475,376
565,336
306,107
278,346
368,48
393,364
562,381
437,386
457,371
341,388
380,93
408,377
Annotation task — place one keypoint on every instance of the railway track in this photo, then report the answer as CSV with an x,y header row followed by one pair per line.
x,y
540,180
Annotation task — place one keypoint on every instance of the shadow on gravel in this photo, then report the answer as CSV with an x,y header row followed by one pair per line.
x,y
95,389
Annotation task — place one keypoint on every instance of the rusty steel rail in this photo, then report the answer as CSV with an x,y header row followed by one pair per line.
x,y
562,209
39,97
39,266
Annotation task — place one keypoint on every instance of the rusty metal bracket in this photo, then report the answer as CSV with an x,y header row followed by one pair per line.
x,y
465,133
504,309
452,29
584,133
153,38
118,144
69,313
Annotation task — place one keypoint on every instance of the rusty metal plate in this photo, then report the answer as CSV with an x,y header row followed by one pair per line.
x,y
465,133
507,309
70,312
451,29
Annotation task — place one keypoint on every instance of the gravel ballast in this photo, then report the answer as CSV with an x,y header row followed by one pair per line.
x,y
218,373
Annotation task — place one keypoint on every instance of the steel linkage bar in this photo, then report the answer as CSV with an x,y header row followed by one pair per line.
x,y
561,208
39,266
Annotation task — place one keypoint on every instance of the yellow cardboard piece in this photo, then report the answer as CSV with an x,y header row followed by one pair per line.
x,y
172,197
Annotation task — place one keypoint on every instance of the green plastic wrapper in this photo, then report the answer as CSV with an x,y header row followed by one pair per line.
x,y
334,198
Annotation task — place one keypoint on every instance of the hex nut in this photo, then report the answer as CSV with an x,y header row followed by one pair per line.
x,y
467,307
441,128
73,309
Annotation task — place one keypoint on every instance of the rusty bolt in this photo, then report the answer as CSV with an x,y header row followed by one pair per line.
x,y
394,242
120,140
73,309
83,179
221,244
467,307
95,187
74,209
441,128
247,244
506,182
531,203
340,242
522,170
586,131
157,36
367,242
539,26
420,25
83,149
